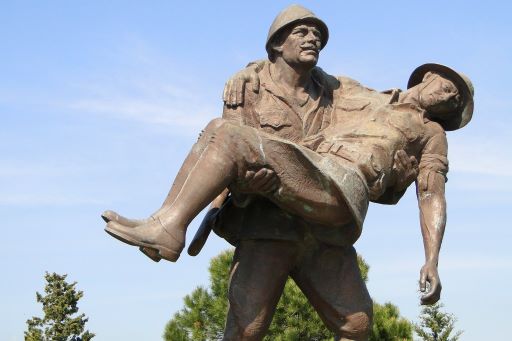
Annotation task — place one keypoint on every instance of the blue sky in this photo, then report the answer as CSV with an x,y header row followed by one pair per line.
x,y
100,103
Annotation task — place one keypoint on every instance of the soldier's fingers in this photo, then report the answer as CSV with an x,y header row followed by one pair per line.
x,y
423,282
433,294
265,184
260,178
225,92
240,92
414,165
400,154
235,91
413,161
397,164
269,185
249,175
255,81
259,175
403,159
229,91
232,92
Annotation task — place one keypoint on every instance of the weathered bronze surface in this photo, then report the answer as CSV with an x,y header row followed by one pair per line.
x,y
290,169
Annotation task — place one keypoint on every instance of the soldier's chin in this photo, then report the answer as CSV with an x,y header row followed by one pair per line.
x,y
309,59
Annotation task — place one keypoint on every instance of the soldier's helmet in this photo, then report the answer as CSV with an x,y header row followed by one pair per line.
x,y
463,84
292,15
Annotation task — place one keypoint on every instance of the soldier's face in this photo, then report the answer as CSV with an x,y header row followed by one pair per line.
x,y
302,45
439,95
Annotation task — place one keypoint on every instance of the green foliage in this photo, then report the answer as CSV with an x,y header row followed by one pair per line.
x,y
388,325
363,268
59,306
204,314
436,325
205,310
295,319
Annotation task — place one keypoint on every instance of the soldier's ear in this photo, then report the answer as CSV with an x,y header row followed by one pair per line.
x,y
277,48
427,76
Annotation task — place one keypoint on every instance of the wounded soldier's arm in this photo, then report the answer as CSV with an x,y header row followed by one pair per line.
x,y
430,189
234,89
405,172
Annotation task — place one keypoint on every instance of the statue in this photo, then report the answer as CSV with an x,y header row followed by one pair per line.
x,y
290,170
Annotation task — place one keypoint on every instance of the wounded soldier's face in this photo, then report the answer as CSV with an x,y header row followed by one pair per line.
x,y
439,96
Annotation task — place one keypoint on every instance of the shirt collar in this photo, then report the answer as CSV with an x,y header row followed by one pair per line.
x,y
268,83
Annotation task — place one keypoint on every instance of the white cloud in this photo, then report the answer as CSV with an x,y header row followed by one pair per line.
x,y
46,200
446,264
147,86
480,263
45,169
487,155
179,113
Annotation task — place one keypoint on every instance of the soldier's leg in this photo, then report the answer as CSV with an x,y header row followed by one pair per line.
x,y
190,161
330,278
258,274
230,152
305,189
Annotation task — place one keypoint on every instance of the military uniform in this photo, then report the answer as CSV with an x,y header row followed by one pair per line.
x,y
272,244
354,151
367,133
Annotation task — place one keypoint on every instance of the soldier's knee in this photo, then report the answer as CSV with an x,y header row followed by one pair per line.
x,y
230,130
211,127
244,328
254,331
356,326
215,124
221,129
243,335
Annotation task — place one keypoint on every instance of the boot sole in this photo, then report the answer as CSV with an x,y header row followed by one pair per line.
x,y
163,252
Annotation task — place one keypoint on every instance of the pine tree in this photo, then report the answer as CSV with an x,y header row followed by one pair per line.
x,y
59,306
205,310
388,325
436,325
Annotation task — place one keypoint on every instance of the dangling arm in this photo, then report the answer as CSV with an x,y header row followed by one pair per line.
x,y
432,206
430,190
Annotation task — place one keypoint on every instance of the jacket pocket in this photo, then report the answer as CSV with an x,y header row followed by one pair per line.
x,y
352,104
275,119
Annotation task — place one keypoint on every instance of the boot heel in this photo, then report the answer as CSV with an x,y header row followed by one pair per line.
x,y
150,253
169,255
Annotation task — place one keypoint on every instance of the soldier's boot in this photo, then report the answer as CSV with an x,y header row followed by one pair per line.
x,y
189,162
212,173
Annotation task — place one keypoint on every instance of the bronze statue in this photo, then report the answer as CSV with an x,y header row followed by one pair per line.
x,y
301,157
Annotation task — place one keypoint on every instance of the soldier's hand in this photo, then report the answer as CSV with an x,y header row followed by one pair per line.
x,y
432,291
234,89
263,181
405,169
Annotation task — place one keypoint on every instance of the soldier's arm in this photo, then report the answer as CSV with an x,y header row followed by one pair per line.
x,y
405,172
430,190
432,206
234,89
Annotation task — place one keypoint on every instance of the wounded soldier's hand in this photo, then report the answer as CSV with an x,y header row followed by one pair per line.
x,y
234,89
405,169
263,181
430,284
